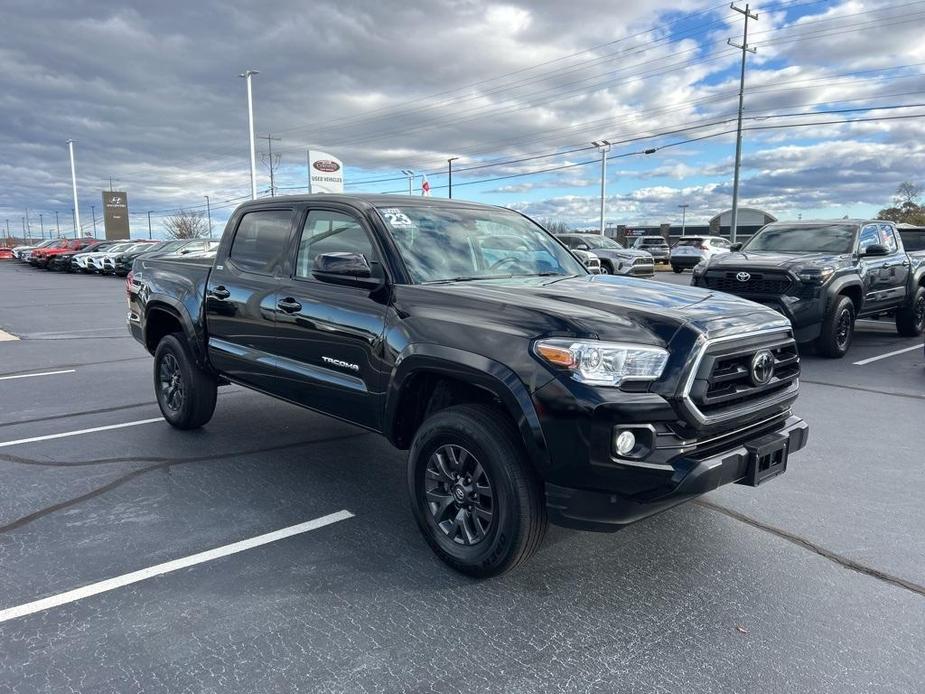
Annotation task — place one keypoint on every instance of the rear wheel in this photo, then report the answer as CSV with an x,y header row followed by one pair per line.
x,y
477,501
606,269
910,320
677,269
185,393
837,329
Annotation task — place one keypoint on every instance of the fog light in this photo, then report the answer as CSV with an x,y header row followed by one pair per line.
x,y
625,442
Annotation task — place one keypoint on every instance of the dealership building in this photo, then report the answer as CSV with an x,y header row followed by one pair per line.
x,y
750,220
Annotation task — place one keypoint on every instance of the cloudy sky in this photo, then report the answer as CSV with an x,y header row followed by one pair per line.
x,y
516,90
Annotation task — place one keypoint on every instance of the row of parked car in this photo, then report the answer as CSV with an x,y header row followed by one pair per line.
x,y
89,255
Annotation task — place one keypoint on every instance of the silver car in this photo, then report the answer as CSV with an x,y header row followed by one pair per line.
x,y
614,258
690,250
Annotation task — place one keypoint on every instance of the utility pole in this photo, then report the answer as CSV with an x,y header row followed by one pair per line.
x,y
149,225
248,75
410,174
449,163
270,161
29,238
8,234
603,147
42,224
683,217
57,224
70,148
29,225
93,210
745,51
110,184
209,209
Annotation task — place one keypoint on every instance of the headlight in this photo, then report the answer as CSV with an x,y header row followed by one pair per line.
x,y
815,275
603,363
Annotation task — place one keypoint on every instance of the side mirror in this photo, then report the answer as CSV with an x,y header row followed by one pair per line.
x,y
735,247
348,269
875,249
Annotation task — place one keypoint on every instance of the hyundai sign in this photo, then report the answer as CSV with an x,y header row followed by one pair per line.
x,y
325,173
115,214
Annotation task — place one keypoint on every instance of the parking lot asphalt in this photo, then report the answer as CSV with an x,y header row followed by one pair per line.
x,y
813,582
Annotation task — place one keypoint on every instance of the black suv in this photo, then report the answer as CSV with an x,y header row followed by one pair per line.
x,y
823,276
523,387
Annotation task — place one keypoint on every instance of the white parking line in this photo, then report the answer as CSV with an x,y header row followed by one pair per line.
x,y
168,567
78,432
43,373
7,337
888,354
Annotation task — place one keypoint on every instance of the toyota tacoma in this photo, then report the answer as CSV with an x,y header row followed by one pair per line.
x,y
823,276
525,388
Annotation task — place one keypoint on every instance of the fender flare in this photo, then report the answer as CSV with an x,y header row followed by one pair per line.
x,y
168,304
477,370
842,283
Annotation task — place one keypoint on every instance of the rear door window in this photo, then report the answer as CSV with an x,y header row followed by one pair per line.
x,y
261,241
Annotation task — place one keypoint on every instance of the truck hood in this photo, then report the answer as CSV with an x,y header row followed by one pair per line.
x,y
775,260
605,307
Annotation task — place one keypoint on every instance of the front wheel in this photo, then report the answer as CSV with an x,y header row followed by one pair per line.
x,y
185,393
837,329
477,501
910,320
606,269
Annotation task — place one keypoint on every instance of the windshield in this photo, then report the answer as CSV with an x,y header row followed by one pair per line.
x,y
118,248
595,241
804,238
440,244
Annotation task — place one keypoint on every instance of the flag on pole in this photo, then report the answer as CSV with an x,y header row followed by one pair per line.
x,y
425,186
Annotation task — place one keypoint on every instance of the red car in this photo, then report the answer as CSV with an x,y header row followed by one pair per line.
x,y
6,253
41,256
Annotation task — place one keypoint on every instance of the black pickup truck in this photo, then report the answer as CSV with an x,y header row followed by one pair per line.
x,y
823,276
525,388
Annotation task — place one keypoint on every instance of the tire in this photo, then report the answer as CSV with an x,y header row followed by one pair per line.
x,y
185,393
479,443
678,270
606,269
837,329
910,319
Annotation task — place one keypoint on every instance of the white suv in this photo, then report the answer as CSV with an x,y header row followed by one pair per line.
x,y
690,250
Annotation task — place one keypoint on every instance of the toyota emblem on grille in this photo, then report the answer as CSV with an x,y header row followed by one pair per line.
x,y
762,368
743,276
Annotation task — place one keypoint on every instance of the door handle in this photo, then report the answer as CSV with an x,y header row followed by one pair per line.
x,y
289,305
220,293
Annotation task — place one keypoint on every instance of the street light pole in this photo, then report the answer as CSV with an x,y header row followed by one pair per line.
x,y
42,224
410,174
93,211
149,225
683,216
733,223
449,163
209,213
603,146
247,75
70,148
57,224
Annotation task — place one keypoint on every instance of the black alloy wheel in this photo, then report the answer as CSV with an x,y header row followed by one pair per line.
x,y
170,380
459,494
910,320
843,328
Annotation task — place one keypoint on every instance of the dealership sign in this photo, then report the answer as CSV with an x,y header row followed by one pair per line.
x,y
325,173
115,214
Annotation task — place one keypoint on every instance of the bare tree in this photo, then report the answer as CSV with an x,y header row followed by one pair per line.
x,y
906,192
554,226
186,224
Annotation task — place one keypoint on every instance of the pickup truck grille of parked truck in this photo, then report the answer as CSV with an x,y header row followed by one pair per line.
x,y
755,283
741,373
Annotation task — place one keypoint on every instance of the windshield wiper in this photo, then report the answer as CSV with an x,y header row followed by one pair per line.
x,y
468,278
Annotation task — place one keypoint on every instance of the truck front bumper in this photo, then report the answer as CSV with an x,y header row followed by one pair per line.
x,y
610,511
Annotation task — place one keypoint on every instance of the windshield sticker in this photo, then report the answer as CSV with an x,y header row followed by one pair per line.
x,y
395,217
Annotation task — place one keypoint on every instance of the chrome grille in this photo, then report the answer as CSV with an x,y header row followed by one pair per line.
x,y
722,386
